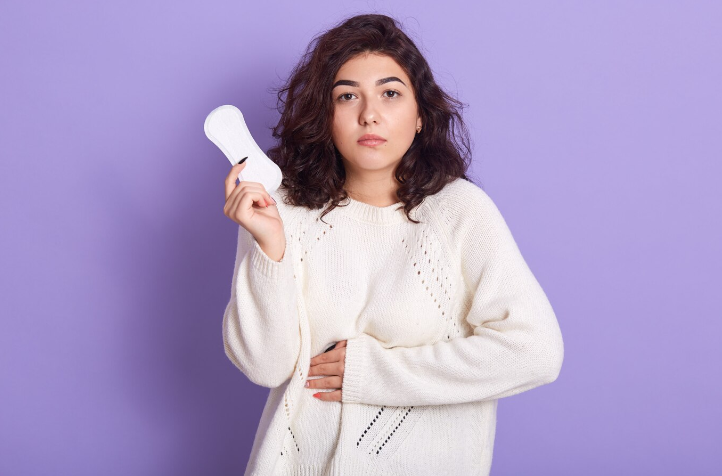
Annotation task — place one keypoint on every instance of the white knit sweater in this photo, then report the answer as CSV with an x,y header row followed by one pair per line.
x,y
442,319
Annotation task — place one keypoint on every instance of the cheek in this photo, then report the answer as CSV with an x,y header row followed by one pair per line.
x,y
405,120
344,128
340,138
339,125
336,129
405,131
406,124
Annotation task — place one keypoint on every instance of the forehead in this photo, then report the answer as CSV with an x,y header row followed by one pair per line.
x,y
368,67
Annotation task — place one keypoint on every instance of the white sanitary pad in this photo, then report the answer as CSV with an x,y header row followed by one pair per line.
x,y
226,128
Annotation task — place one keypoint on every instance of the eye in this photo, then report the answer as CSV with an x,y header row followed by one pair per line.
x,y
343,97
340,98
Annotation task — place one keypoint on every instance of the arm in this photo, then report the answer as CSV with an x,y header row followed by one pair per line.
x,y
516,345
260,324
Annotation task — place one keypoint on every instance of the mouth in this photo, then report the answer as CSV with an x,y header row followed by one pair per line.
x,y
371,140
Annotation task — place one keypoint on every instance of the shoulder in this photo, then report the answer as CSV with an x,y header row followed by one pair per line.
x,y
460,188
469,217
461,202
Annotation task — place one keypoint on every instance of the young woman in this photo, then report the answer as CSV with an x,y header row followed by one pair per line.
x,y
378,243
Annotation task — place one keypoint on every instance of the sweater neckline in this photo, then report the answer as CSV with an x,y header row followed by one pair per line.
x,y
372,214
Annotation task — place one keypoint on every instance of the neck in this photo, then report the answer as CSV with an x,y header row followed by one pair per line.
x,y
379,192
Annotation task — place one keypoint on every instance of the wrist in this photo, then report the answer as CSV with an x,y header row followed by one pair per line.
x,y
274,250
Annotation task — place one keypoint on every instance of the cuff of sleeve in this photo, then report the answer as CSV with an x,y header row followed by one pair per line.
x,y
269,267
355,368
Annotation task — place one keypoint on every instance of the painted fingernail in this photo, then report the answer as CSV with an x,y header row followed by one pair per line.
x,y
306,384
316,394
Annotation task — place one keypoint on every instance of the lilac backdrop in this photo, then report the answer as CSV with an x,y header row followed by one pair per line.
x,y
596,129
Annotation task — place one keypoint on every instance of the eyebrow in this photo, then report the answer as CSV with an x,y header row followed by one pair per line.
x,y
355,84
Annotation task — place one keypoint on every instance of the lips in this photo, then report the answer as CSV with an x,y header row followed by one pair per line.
x,y
371,140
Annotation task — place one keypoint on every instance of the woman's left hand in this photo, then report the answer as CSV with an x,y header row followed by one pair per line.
x,y
329,363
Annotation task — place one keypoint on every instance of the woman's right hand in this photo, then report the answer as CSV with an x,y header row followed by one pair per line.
x,y
249,205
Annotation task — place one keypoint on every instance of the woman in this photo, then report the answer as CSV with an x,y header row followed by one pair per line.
x,y
377,242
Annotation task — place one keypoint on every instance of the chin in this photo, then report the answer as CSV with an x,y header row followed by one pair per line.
x,y
371,165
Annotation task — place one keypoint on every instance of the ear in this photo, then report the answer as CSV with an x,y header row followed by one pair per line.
x,y
418,122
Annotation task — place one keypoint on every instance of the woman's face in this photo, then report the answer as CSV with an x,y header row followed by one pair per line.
x,y
363,106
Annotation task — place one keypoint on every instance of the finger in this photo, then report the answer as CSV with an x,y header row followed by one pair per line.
x,y
323,358
249,199
240,189
334,396
268,199
331,356
244,186
325,382
251,193
235,204
244,204
334,368
233,189
231,178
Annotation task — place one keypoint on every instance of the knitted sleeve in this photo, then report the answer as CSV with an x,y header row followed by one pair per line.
x,y
516,344
261,324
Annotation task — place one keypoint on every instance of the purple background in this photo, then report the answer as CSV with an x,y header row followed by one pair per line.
x,y
596,129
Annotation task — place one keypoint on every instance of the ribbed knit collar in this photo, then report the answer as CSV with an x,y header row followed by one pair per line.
x,y
372,214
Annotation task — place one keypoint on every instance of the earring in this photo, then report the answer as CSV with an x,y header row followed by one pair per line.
x,y
418,129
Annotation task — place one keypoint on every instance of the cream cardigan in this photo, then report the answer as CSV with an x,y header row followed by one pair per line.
x,y
442,319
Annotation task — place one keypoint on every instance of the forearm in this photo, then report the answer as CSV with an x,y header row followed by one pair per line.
x,y
487,365
260,324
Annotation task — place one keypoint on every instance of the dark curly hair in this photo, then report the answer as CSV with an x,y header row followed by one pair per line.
x,y
313,172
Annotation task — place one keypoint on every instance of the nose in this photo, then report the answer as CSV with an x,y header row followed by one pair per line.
x,y
368,113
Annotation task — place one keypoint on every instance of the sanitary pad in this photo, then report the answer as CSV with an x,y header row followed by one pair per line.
x,y
226,128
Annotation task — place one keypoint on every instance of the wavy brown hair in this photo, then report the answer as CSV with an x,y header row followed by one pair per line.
x,y
313,171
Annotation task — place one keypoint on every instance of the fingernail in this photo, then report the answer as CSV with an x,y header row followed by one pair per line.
x,y
242,160
306,384
274,200
315,395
